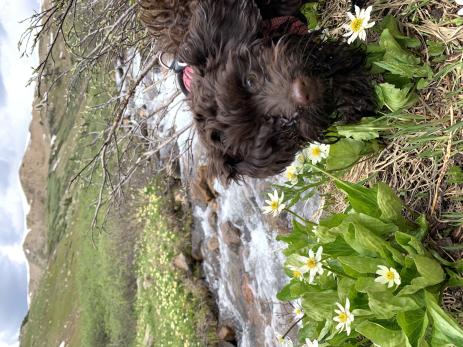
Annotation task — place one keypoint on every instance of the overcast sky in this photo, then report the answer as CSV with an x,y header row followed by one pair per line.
x,y
15,115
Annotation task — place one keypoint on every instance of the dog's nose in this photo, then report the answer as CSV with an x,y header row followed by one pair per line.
x,y
300,92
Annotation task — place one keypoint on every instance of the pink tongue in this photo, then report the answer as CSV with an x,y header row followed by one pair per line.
x,y
187,77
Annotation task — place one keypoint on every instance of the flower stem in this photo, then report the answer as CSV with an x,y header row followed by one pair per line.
x,y
295,215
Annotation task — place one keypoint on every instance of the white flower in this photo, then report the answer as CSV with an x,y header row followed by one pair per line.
x,y
313,264
291,174
358,24
344,317
299,161
316,152
284,342
389,276
460,12
298,312
309,343
297,272
275,204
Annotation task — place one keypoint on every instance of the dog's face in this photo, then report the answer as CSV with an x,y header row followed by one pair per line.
x,y
257,98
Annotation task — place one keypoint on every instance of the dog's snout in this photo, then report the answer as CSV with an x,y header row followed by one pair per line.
x,y
300,92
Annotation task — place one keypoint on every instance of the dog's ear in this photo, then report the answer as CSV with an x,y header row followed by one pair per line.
x,y
216,27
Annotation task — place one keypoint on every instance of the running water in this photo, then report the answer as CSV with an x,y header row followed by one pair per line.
x,y
242,260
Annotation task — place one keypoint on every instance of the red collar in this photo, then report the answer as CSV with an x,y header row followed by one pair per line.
x,y
294,26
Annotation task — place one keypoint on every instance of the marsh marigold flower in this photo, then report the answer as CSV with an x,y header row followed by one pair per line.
x,y
358,24
309,343
344,317
317,152
387,276
275,205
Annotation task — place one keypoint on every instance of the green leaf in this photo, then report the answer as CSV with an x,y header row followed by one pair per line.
x,y
405,70
344,154
363,265
394,52
309,10
409,243
445,330
389,22
414,324
293,290
391,206
431,274
435,48
382,336
368,285
396,98
363,131
298,238
385,305
320,304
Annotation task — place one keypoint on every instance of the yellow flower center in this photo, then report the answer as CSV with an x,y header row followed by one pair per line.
x,y
298,311
356,24
297,274
311,263
316,151
342,317
390,276
274,205
290,175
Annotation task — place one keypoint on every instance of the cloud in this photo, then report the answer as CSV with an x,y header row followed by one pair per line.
x,y
12,286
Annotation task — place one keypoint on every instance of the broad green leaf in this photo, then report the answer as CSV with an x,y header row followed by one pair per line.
x,y
375,225
394,52
368,284
405,70
363,265
310,11
422,83
337,248
346,287
344,154
367,243
414,324
431,274
409,243
389,22
385,305
321,305
445,330
363,131
390,205
396,98
293,290
382,336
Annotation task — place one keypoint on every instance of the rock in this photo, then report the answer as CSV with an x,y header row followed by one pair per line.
x,y
246,290
147,282
226,333
212,219
213,244
202,188
181,262
230,234
225,344
197,242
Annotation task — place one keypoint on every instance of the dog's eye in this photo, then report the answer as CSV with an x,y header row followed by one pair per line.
x,y
251,81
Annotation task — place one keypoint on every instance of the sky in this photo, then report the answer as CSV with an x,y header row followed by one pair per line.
x,y
15,116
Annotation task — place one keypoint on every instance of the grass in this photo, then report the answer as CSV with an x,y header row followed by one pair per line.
x,y
171,307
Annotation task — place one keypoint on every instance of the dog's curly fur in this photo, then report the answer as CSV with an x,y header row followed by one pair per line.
x,y
242,92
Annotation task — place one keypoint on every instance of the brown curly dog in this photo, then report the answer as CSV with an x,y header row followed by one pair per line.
x,y
260,85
